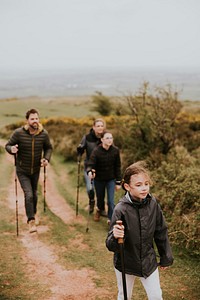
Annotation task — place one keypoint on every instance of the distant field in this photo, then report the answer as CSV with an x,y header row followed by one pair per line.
x,y
192,106
13,110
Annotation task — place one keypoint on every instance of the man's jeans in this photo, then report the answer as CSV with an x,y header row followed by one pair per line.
x,y
29,185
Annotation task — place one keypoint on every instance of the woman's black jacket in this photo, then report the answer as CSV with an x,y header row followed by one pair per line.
x,y
144,226
88,143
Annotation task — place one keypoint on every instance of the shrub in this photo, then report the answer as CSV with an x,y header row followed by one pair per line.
x,y
101,104
154,131
177,182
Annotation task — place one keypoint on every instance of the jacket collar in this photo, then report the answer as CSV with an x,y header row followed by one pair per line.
x,y
40,128
135,203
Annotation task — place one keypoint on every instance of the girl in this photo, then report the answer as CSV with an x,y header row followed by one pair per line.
x,y
105,167
143,225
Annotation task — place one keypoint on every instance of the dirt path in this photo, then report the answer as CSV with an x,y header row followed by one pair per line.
x,y
41,260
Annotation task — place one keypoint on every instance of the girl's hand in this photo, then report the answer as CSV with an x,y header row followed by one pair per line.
x,y
118,231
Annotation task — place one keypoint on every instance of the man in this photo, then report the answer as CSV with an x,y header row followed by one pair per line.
x,y
32,149
87,144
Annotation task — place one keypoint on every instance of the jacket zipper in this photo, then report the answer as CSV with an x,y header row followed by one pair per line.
x,y
140,240
32,159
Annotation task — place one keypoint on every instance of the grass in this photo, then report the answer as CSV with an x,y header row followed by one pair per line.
x,y
13,110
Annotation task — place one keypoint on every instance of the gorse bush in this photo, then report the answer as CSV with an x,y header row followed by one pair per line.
x,y
177,185
66,133
177,182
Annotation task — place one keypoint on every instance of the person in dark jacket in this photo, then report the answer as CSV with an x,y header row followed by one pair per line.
x,y
104,166
32,149
87,144
143,225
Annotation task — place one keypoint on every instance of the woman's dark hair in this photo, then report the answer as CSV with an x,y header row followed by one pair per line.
x,y
31,111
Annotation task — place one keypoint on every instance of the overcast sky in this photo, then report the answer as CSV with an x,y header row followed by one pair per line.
x,y
37,34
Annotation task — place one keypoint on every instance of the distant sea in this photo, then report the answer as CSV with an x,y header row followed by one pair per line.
x,y
74,82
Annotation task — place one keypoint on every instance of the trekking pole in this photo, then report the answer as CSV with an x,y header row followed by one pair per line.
x,y
91,197
78,183
17,223
44,188
121,245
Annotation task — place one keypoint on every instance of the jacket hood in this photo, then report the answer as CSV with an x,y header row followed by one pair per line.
x,y
92,132
137,204
40,128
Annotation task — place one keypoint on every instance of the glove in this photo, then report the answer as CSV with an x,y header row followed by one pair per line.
x,y
80,150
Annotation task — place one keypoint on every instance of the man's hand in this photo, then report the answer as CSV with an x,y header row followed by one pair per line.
x,y
44,162
14,149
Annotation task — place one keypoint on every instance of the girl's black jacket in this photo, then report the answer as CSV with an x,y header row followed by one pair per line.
x,y
106,163
144,225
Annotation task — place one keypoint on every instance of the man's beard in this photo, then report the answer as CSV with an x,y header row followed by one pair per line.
x,y
34,126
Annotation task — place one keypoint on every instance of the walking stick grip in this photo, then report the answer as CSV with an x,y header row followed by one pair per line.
x,y
120,240
121,246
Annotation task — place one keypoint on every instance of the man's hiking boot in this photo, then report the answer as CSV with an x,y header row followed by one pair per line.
x,y
97,215
91,206
32,227
103,213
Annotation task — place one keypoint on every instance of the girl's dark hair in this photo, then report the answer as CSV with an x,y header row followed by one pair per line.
x,y
104,132
31,111
136,168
